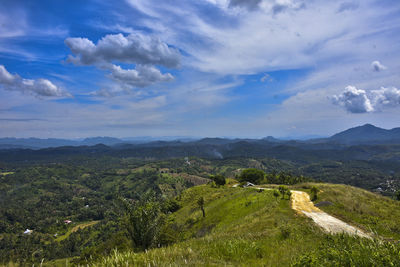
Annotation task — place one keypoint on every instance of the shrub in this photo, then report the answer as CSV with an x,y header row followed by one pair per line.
x,y
283,190
170,206
276,194
314,193
219,179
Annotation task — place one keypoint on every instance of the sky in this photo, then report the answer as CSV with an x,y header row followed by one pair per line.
x,y
204,68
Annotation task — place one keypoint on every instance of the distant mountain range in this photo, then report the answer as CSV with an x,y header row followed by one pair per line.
x,y
37,143
367,134
365,142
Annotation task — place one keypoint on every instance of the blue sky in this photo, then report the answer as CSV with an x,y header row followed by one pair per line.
x,y
233,68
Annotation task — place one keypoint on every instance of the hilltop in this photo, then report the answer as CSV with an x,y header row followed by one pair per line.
x,y
249,227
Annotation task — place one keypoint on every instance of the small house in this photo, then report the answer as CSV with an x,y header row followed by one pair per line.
x,y
28,232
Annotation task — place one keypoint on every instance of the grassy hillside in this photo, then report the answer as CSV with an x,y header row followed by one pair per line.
x,y
244,227
369,211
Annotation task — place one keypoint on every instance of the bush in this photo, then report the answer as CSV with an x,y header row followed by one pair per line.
x,y
170,206
219,179
284,191
252,175
276,194
314,193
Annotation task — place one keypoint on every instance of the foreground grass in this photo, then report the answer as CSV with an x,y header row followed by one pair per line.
x,y
344,250
242,227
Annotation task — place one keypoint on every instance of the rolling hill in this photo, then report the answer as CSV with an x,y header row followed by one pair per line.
x,y
247,227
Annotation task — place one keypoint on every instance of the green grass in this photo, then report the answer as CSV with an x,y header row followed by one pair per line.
x,y
244,227
74,229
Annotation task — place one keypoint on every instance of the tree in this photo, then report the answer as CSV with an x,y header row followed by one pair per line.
x,y
143,221
314,193
200,202
252,175
219,179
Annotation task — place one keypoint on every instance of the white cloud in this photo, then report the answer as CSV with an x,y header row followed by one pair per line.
x,y
135,48
142,50
359,101
386,97
377,66
38,88
142,76
278,35
354,100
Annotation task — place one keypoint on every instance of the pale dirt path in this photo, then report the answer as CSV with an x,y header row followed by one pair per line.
x,y
302,204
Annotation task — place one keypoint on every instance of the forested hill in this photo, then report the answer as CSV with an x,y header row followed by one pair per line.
x,y
294,151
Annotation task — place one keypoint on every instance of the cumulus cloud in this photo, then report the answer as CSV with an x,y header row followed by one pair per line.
x,y
359,101
142,50
142,76
39,87
354,100
386,97
133,49
377,66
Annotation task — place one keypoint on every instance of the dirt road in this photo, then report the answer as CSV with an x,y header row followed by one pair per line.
x,y
302,204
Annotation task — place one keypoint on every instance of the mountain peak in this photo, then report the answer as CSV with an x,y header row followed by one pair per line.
x,y
366,133
369,125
